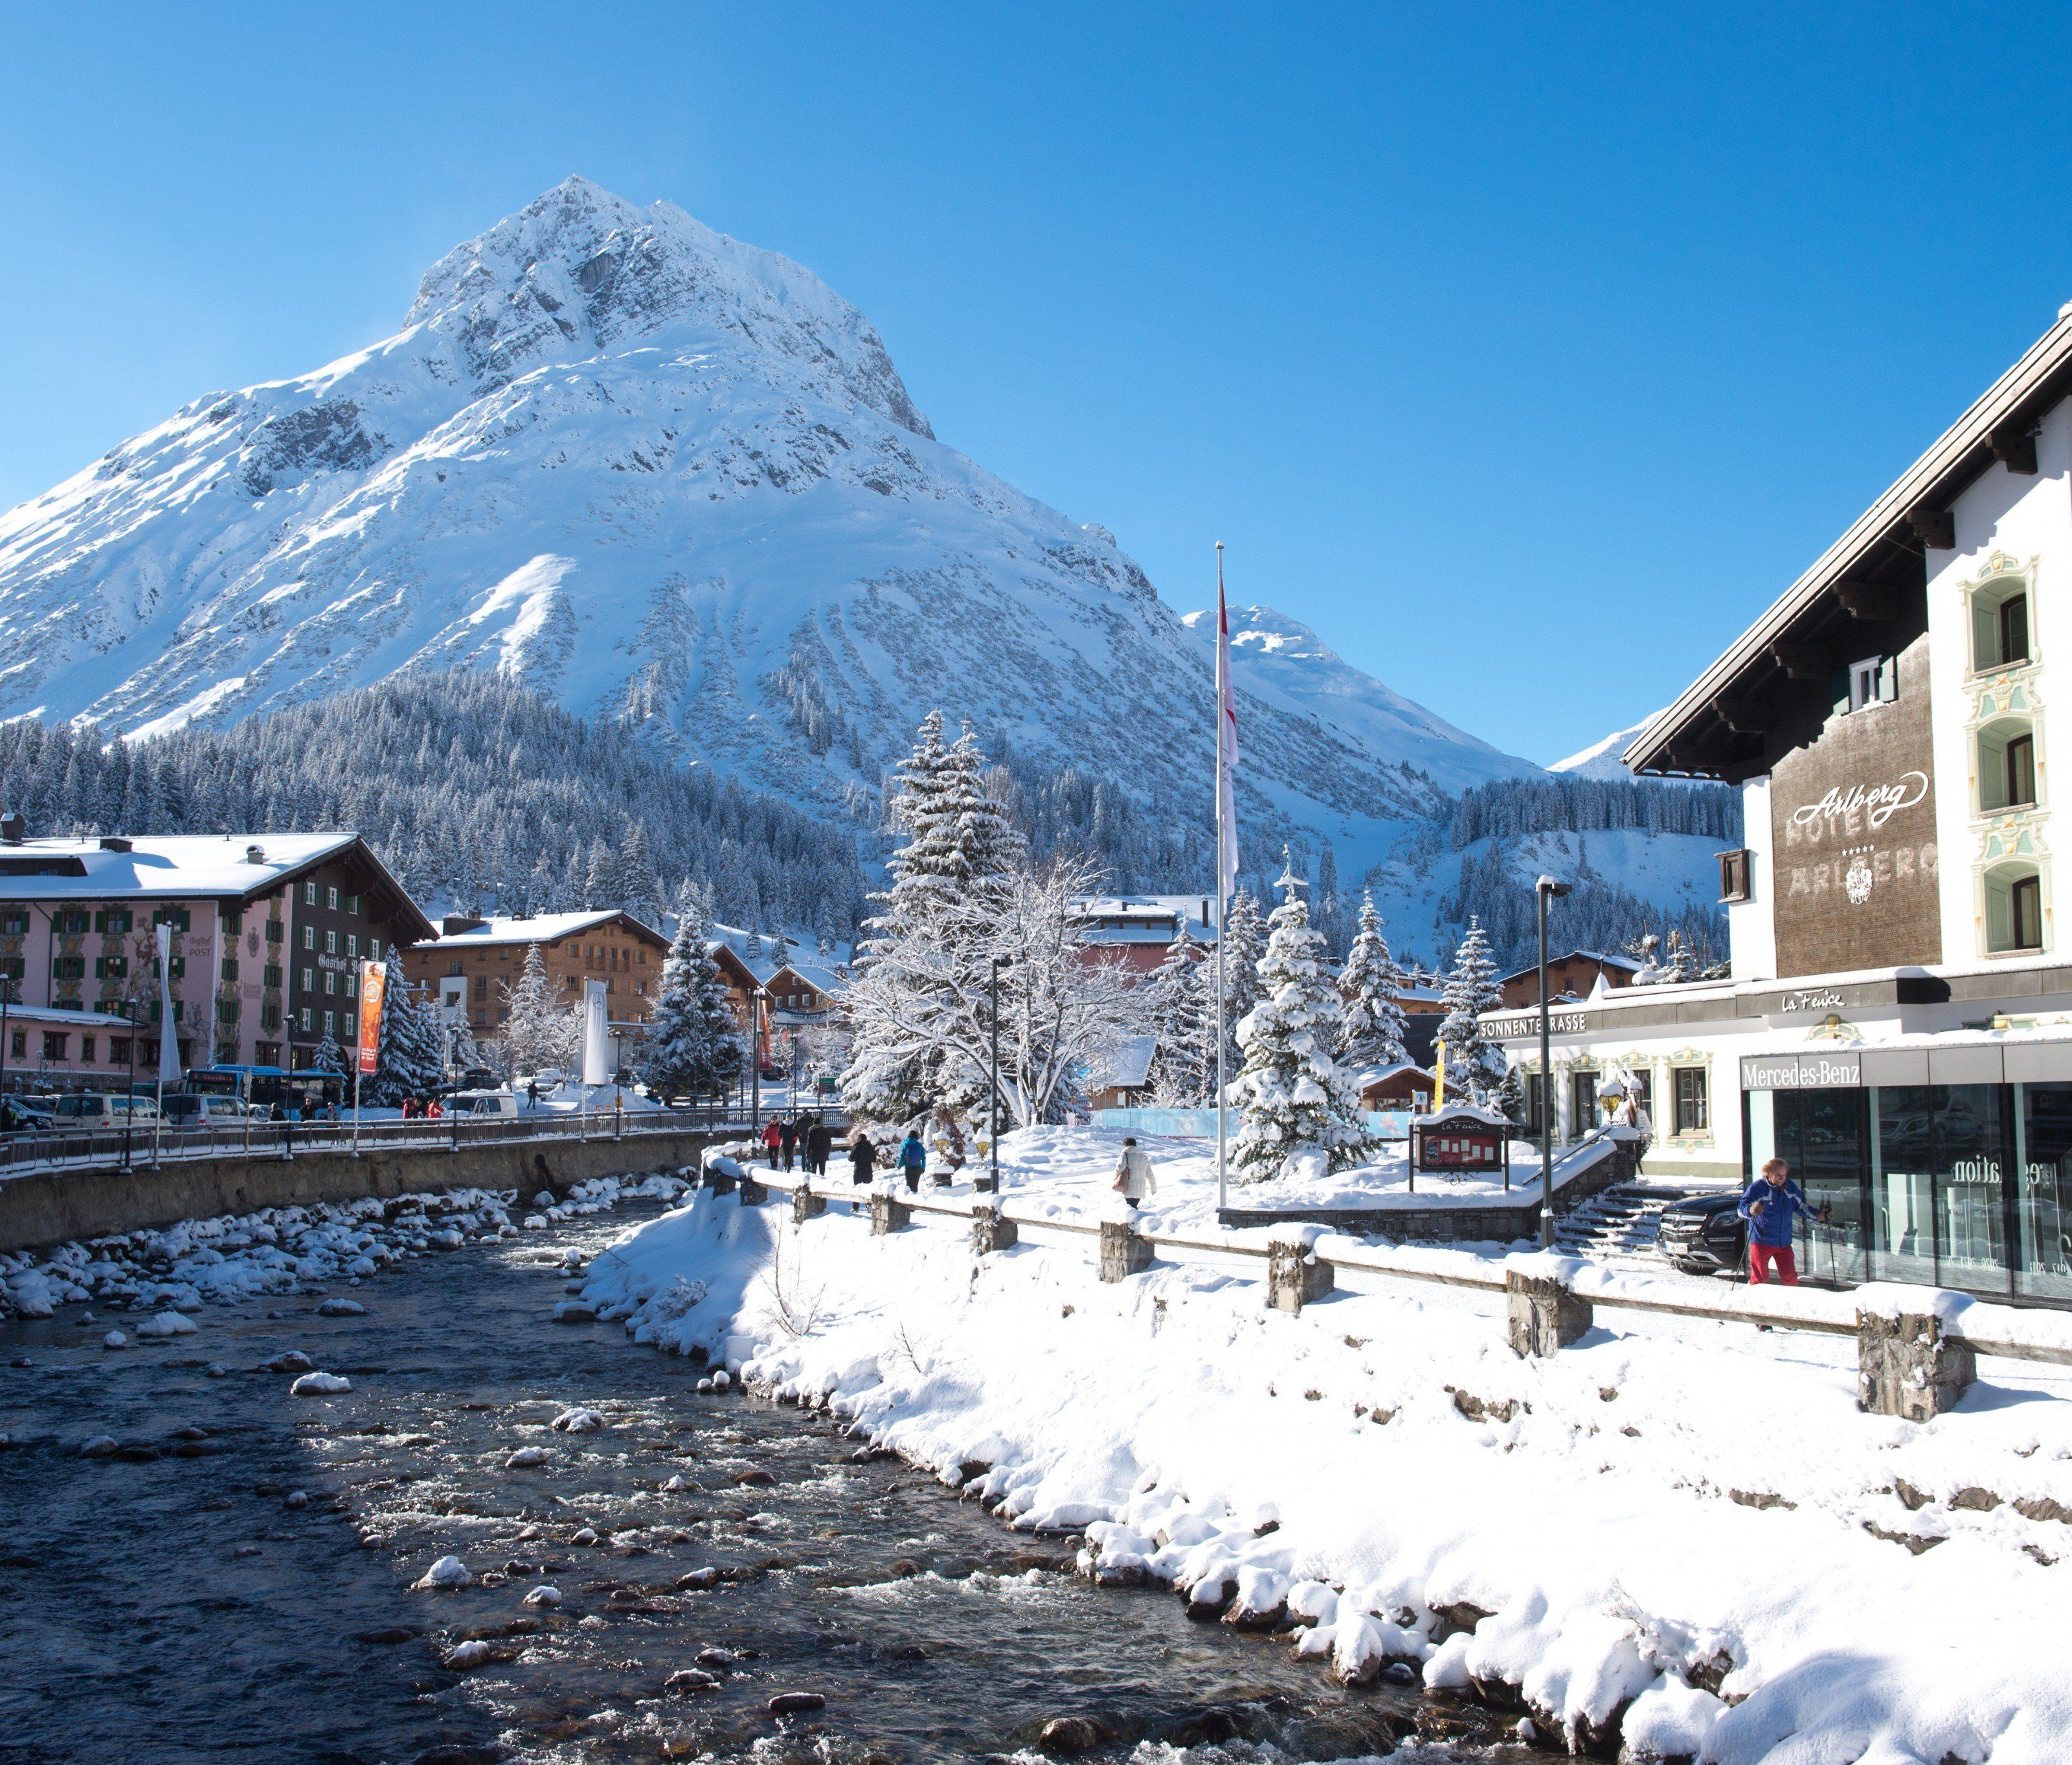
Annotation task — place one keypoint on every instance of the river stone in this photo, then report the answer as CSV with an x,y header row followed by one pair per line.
x,y
138,1453
699,1580
796,1703
343,1308
467,1654
756,1477
544,1595
101,1446
578,1421
525,1459
296,1498
573,1311
319,1385
688,1681
114,1339
295,1360
448,1572
1075,1735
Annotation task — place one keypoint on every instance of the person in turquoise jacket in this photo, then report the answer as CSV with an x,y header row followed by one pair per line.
x,y
913,1158
1773,1202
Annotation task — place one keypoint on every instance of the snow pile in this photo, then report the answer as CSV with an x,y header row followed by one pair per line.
x,y
1672,1532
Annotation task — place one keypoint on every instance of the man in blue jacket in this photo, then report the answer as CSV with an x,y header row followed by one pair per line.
x,y
1771,1203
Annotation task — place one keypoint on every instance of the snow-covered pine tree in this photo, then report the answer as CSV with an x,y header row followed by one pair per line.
x,y
1473,1064
694,1048
636,872
1510,1099
410,1058
1244,943
598,877
538,1031
951,884
1174,999
1373,1020
1300,1115
329,1057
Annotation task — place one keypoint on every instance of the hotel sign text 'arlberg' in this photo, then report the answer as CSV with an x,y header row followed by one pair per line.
x,y
1852,820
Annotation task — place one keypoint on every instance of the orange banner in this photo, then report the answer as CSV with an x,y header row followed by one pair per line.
x,y
373,978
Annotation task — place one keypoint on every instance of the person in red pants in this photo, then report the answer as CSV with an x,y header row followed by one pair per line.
x,y
1773,1201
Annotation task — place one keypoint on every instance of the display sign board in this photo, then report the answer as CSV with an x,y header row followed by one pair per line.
x,y
1802,1070
373,983
1852,823
1454,1145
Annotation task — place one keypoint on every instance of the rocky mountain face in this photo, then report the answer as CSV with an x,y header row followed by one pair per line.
x,y
675,480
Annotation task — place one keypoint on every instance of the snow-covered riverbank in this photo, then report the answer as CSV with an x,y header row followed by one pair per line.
x,y
1686,1527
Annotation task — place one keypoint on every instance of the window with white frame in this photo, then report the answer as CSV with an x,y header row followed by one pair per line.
x,y
2014,907
2007,765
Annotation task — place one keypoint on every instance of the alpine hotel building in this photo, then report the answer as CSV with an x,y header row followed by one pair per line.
x,y
1898,1022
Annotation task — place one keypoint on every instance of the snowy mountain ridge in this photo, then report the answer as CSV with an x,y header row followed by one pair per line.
x,y
676,480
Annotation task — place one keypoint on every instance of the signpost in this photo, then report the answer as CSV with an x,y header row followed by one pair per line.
x,y
373,983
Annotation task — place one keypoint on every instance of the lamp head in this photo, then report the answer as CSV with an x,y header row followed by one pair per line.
x,y
1553,887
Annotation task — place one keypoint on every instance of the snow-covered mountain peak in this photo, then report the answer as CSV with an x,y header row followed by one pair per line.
x,y
1603,758
578,270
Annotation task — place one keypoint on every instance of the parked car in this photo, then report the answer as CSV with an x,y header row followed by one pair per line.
x,y
22,1115
104,1109
482,1102
1705,1235
186,1110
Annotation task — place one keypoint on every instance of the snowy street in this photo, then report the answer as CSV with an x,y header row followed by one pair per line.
x,y
1679,1523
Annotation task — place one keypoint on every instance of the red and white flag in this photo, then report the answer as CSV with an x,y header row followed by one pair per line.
x,y
1225,745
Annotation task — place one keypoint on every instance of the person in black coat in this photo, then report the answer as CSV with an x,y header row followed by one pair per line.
x,y
819,1144
862,1156
787,1137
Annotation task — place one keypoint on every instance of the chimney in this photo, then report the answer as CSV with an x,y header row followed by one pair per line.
x,y
13,828
255,854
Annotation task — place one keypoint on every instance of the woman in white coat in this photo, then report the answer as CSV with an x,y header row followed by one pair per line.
x,y
1133,1180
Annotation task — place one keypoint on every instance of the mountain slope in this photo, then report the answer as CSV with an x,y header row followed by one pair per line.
x,y
1601,758
675,480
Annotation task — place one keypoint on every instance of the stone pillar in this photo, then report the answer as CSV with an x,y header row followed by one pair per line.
x,y
753,1193
992,1230
1544,1315
806,1205
1294,1277
717,1181
888,1214
1123,1251
1907,1367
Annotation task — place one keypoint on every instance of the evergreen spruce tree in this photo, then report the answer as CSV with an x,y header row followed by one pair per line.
x,y
636,872
1472,1065
1510,1097
694,1048
410,1058
540,1031
329,1057
1182,1071
1244,943
1300,1116
599,876
1374,1023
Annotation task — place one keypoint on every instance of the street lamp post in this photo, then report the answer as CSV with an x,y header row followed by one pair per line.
x,y
993,1139
129,1107
1547,889
756,1018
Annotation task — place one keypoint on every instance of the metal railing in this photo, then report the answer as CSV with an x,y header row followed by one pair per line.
x,y
145,1143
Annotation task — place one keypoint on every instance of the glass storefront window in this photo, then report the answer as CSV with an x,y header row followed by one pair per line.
x,y
1822,1136
2043,1197
1903,1183
1971,1237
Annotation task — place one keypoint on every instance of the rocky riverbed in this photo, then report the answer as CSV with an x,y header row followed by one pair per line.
x,y
488,1535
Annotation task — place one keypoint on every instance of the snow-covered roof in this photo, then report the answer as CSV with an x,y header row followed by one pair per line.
x,y
820,979
1143,917
175,865
1128,1067
1598,956
1461,1112
1382,1075
181,866
534,928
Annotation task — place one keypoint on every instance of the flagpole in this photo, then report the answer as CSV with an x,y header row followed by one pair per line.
x,y
1223,1038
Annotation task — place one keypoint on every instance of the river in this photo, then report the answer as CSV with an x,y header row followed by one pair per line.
x,y
236,1582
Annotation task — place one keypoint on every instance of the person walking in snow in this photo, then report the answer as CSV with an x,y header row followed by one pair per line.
x,y
862,1156
533,1093
913,1158
773,1137
819,1144
1133,1180
1771,1203
787,1134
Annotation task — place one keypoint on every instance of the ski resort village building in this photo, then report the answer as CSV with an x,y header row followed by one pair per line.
x,y
268,934
1898,1021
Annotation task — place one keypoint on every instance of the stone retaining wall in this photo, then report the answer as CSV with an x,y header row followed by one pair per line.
x,y
43,1208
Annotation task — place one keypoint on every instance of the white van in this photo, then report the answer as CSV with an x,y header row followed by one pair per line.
x,y
482,1102
104,1109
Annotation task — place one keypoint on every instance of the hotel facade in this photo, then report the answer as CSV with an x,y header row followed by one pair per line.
x,y
1897,1023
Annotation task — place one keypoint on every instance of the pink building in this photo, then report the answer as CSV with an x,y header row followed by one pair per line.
x,y
268,933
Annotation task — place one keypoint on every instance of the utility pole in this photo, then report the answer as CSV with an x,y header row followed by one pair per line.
x,y
993,1182
1547,889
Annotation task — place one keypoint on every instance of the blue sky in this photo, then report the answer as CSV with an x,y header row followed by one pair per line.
x,y
1526,352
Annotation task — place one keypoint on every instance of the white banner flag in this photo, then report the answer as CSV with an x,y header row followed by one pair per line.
x,y
596,1052
169,1027
1225,745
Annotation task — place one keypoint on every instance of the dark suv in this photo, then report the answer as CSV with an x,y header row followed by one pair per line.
x,y
1705,1236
